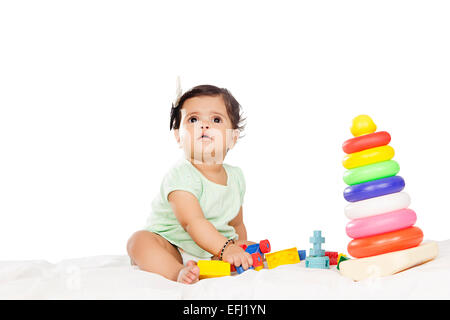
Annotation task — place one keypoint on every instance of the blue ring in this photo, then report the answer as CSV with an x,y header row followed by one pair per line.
x,y
374,188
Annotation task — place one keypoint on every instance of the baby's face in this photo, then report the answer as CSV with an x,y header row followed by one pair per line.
x,y
206,131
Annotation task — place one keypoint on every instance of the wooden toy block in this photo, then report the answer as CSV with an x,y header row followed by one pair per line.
x,y
252,248
302,254
257,263
213,268
257,259
264,246
240,269
257,251
333,257
317,241
287,256
388,263
318,262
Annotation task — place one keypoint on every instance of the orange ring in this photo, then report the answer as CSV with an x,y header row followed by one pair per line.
x,y
385,242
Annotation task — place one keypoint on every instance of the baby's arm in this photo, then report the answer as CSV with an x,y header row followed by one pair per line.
x,y
238,224
190,215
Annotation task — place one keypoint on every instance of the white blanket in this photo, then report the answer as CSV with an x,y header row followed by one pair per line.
x,y
112,277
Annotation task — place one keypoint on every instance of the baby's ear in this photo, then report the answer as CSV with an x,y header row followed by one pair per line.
x,y
176,133
235,137
237,133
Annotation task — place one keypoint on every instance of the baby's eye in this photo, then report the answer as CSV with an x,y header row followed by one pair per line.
x,y
217,120
192,120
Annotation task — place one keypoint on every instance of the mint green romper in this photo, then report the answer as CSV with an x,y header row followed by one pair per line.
x,y
219,203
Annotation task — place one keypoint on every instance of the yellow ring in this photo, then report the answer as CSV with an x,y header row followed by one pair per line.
x,y
368,156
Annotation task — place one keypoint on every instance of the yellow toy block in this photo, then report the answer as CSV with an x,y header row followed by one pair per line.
x,y
213,268
287,256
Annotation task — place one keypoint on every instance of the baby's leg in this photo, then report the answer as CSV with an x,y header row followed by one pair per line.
x,y
151,252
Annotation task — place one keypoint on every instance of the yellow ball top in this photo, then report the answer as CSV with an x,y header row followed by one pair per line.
x,y
362,124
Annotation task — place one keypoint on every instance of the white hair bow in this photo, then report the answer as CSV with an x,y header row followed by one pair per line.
x,y
178,92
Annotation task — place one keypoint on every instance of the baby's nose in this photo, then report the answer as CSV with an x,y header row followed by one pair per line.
x,y
204,126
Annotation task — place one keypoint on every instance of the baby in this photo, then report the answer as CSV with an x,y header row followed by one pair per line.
x,y
198,211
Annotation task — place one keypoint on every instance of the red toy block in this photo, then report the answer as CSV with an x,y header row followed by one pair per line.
x,y
257,259
333,257
243,246
264,246
232,268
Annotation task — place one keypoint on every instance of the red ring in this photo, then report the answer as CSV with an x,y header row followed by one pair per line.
x,y
367,141
385,242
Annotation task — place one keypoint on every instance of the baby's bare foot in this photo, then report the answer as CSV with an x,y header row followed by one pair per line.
x,y
190,273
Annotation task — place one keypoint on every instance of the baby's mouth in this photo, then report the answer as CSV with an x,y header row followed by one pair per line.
x,y
204,136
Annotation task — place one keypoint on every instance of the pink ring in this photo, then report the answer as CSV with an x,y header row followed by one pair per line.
x,y
381,223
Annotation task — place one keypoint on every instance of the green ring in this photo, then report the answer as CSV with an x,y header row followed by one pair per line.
x,y
371,172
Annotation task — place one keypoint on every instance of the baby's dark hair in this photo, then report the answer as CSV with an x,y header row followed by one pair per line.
x,y
233,107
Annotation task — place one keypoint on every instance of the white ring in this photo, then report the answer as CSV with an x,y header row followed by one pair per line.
x,y
377,205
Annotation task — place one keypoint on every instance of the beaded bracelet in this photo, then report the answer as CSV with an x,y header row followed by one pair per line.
x,y
224,246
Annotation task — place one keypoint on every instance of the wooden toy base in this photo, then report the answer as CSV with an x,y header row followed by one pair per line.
x,y
388,263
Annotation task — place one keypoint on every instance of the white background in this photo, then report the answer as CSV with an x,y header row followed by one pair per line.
x,y
86,89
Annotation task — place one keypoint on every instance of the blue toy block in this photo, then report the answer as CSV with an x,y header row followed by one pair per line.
x,y
239,269
318,262
302,254
317,241
253,248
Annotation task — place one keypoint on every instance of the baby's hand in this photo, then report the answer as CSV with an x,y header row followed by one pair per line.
x,y
237,256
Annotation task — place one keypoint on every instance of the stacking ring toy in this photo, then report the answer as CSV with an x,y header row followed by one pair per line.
x,y
368,156
385,242
374,188
378,205
362,124
370,172
371,140
381,223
